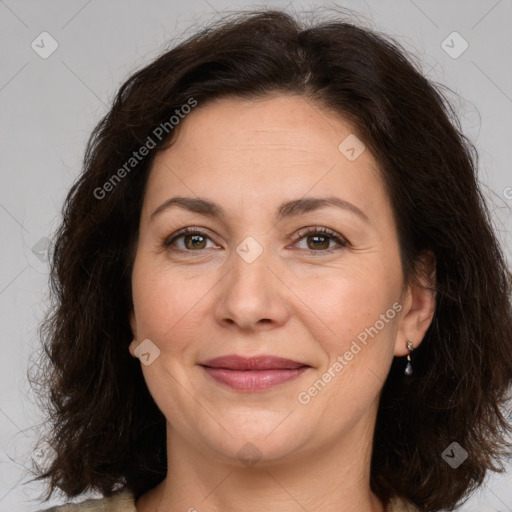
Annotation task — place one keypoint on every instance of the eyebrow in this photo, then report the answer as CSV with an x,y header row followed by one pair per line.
x,y
288,209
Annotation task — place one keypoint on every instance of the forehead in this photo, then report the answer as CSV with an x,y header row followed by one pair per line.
x,y
270,148
273,122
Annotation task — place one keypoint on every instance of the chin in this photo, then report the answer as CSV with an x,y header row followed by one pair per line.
x,y
257,443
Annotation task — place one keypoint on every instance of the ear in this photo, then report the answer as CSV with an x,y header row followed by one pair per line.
x,y
133,325
419,304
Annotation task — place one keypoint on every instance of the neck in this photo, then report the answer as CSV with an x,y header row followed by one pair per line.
x,y
332,478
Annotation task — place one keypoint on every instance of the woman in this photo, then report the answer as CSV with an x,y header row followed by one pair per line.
x,y
277,286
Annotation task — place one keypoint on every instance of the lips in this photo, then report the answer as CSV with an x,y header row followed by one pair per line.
x,y
253,363
254,373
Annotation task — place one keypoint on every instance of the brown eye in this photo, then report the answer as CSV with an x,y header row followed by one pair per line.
x,y
194,241
188,240
318,242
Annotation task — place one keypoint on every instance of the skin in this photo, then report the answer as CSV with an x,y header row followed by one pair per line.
x,y
249,156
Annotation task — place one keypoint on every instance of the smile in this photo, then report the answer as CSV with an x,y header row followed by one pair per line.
x,y
253,374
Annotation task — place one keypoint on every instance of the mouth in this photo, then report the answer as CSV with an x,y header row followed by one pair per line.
x,y
254,373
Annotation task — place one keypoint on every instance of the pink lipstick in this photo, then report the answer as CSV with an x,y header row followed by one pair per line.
x,y
253,373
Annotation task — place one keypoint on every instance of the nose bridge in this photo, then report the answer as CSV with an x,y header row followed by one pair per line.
x,y
251,293
250,274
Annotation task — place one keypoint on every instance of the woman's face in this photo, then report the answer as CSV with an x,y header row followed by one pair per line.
x,y
270,268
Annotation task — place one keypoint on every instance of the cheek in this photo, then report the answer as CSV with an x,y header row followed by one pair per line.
x,y
166,302
354,323
168,310
344,303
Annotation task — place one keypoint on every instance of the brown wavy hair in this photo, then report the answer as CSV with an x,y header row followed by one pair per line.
x,y
106,429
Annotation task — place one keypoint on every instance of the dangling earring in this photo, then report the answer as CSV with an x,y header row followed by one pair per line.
x,y
408,367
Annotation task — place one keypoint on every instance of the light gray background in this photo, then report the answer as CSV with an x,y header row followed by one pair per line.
x,y
49,107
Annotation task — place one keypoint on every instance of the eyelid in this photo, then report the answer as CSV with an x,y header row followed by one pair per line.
x,y
317,229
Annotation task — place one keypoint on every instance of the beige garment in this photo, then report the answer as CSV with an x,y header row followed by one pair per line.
x,y
120,501
400,505
123,501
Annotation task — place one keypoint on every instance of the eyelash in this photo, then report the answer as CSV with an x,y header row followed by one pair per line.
x,y
322,231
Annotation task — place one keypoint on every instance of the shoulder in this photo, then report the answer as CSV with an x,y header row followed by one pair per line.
x,y
400,505
123,501
120,501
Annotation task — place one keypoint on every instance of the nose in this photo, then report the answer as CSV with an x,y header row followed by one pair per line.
x,y
253,296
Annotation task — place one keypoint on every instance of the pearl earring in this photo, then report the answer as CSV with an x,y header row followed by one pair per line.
x,y
408,367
